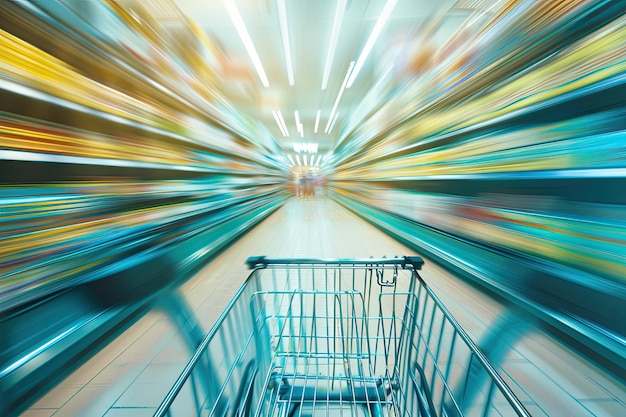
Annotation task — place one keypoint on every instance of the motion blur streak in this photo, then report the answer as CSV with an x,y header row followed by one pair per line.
x,y
136,142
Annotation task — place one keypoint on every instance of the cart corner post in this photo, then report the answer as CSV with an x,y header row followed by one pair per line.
x,y
256,262
416,261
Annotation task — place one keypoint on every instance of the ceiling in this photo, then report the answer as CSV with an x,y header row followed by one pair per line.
x,y
309,24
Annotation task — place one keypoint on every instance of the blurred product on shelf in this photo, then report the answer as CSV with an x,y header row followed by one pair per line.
x,y
118,147
538,99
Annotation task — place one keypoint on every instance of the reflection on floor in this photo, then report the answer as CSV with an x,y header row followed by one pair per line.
x,y
130,376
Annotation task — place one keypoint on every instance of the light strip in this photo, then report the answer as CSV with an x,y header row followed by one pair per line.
x,y
306,161
343,86
334,36
282,121
333,123
284,34
231,8
291,159
280,126
298,159
483,13
299,125
319,158
297,117
317,120
380,23
305,147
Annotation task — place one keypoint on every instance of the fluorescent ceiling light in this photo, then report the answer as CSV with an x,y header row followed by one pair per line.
x,y
291,160
343,87
282,122
305,147
319,158
280,126
297,117
333,123
298,159
334,35
305,160
284,34
317,120
233,12
380,23
299,125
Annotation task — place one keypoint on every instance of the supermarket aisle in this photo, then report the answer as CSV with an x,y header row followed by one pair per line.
x,y
130,376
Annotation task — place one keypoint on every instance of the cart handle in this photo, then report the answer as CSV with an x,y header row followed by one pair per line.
x,y
406,262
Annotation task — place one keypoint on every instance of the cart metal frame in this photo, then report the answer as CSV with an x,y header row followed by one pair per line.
x,y
309,337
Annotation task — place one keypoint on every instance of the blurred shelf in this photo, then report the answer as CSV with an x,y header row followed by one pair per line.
x,y
573,185
579,304
98,246
96,53
25,156
601,96
561,174
29,167
101,308
22,92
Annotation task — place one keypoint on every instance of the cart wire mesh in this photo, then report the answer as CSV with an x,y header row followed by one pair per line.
x,y
338,337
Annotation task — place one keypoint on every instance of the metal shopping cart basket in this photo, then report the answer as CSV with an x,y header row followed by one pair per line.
x,y
338,337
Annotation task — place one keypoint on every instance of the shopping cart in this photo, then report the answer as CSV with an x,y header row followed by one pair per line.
x,y
338,337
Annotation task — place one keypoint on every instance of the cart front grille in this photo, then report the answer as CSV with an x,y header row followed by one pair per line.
x,y
335,341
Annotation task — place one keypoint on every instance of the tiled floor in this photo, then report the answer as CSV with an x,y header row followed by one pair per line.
x,y
130,375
